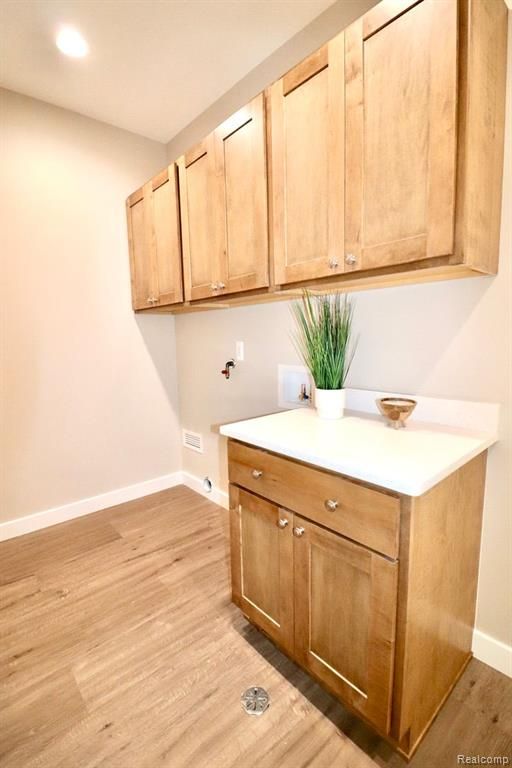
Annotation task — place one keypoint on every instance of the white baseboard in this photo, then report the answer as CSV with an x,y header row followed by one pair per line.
x,y
196,484
12,528
493,652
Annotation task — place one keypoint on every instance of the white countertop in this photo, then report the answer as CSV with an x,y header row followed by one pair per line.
x,y
408,461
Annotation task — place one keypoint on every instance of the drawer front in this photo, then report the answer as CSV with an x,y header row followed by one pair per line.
x,y
360,513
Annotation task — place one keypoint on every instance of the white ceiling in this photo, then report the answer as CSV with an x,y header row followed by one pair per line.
x,y
154,65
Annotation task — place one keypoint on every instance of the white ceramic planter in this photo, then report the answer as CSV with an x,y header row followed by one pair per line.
x,y
330,403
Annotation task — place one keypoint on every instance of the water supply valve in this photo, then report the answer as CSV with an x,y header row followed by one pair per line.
x,y
226,371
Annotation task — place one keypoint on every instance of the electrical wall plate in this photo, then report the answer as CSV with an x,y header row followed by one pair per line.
x,y
291,380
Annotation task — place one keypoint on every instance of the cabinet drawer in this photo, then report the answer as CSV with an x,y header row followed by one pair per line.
x,y
360,513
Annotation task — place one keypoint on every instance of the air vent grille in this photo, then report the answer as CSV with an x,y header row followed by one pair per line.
x,y
193,440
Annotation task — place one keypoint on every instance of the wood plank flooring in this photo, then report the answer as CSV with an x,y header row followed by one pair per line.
x,y
119,648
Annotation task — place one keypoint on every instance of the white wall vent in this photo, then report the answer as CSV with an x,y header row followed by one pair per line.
x,y
193,440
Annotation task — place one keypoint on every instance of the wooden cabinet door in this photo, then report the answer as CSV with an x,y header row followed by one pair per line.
x,y
345,613
166,236
262,564
401,98
241,148
154,242
223,186
307,158
202,206
140,241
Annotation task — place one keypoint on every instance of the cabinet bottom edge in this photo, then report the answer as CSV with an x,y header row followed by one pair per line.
x,y
410,752
405,751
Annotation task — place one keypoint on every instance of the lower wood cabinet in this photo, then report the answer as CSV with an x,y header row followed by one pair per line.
x,y
327,601
387,634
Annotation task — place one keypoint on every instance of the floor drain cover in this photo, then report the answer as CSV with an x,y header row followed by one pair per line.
x,y
255,701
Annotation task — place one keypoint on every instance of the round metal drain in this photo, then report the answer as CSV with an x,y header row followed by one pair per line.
x,y
255,700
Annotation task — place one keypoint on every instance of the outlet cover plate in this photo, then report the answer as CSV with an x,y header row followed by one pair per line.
x,y
290,379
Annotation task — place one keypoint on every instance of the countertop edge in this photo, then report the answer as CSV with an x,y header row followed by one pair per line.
x,y
414,490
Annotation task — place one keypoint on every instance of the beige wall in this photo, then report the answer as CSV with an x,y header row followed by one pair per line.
x,y
88,390
449,339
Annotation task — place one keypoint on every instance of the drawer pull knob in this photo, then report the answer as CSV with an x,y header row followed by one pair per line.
x,y
299,531
256,473
282,522
331,505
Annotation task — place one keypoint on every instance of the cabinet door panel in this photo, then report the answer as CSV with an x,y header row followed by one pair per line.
x,y
401,88
307,170
307,126
240,142
345,612
347,650
140,238
262,564
200,221
166,230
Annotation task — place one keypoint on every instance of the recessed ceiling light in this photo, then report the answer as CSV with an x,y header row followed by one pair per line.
x,y
71,42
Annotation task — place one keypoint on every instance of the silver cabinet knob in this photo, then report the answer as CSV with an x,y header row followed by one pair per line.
x,y
333,263
350,258
299,531
220,286
331,504
214,286
151,300
282,522
256,473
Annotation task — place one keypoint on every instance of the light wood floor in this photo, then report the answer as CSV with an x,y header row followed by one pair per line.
x,y
119,648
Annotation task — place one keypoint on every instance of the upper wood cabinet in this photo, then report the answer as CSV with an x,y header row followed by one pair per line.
x,y
376,161
401,133
223,188
387,148
154,241
307,160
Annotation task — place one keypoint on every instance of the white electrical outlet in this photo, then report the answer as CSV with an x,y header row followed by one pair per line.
x,y
294,386
239,356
